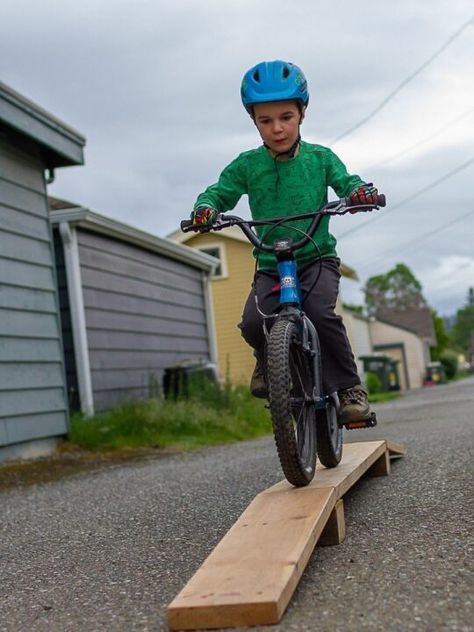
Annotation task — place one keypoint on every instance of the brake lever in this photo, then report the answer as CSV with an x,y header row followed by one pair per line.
x,y
340,209
220,222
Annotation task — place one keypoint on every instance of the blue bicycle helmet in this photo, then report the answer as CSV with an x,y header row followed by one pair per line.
x,y
273,81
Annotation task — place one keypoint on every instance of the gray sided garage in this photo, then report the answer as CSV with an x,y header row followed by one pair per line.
x,y
132,304
33,400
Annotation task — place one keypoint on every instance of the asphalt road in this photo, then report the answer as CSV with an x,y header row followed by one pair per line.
x,y
108,550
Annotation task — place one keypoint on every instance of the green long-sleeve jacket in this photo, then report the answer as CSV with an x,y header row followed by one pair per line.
x,y
276,188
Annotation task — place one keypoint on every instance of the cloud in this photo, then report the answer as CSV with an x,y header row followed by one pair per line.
x,y
448,281
154,86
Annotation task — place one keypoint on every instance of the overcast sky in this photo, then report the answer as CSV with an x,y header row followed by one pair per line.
x,y
153,85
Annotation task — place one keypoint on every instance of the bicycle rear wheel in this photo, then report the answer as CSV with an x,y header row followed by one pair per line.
x,y
290,385
329,436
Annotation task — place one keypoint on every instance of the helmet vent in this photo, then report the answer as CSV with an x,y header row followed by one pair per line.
x,y
285,72
256,76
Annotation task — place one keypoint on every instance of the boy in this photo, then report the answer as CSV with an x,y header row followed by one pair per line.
x,y
287,176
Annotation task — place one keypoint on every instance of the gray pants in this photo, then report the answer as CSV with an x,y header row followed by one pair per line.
x,y
338,366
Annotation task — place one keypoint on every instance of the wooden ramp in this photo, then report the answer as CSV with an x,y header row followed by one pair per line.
x,y
252,573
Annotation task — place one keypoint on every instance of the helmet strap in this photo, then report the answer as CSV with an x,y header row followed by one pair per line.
x,y
290,152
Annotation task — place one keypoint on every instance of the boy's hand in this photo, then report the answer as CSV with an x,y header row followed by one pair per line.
x,y
365,194
203,216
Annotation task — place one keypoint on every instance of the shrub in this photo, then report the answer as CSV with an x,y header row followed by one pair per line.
x,y
449,360
373,382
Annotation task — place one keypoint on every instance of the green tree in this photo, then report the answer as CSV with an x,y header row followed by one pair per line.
x,y
464,326
449,359
442,337
397,289
358,309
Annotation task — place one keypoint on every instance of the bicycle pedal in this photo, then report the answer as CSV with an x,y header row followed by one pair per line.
x,y
368,422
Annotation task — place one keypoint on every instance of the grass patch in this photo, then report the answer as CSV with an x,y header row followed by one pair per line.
x,y
376,398
462,374
211,415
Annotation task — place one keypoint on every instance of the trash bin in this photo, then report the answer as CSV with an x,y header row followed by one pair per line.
x,y
435,374
386,369
180,379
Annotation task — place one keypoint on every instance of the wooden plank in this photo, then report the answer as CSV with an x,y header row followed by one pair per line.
x,y
356,460
250,576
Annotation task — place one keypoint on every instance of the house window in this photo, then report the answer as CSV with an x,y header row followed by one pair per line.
x,y
217,251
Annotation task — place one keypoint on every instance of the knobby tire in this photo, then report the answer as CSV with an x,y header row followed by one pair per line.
x,y
290,385
329,436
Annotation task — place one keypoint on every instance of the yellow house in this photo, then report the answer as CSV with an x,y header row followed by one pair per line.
x,y
230,287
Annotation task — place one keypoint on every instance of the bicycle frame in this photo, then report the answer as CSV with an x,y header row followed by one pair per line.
x,y
291,307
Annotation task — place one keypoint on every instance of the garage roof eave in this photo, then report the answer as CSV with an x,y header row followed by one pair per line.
x,y
63,145
90,220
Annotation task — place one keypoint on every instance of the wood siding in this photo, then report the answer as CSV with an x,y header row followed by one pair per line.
x,y
32,389
235,357
144,312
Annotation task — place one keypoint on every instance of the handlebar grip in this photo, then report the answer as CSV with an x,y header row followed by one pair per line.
x,y
381,200
186,223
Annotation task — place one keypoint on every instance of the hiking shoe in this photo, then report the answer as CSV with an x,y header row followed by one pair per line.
x,y
258,386
354,404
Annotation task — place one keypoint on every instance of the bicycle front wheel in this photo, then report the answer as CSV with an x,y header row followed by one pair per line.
x,y
290,386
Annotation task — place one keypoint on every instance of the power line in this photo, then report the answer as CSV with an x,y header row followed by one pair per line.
x,y
420,142
390,96
408,199
417,240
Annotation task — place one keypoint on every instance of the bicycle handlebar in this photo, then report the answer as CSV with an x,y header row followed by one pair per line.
x,y
338,207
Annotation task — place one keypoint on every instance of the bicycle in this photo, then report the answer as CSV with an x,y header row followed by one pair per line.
x,y
305,420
